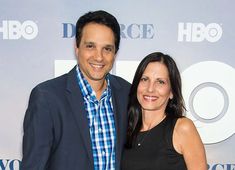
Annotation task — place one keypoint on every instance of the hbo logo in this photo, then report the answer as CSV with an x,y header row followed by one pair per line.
x,y
197,32
12,29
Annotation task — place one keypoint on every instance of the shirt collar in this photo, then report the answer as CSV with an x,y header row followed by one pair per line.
x,y
86,88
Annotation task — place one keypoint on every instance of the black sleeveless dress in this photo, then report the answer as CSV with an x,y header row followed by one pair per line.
x,y
153,150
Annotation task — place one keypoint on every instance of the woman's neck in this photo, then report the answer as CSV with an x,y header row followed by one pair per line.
x,y
150,119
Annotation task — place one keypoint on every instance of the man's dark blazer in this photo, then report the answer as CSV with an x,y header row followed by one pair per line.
x,y
56,132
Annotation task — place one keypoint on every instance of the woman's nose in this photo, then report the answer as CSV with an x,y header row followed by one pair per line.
x,y
150,87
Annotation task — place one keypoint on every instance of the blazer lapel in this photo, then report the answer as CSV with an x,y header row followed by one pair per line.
x,y
76,102
119,111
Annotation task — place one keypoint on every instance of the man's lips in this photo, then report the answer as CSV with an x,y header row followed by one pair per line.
x,y
97,66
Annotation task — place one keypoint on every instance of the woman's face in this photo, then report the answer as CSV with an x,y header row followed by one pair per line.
x,y
154,89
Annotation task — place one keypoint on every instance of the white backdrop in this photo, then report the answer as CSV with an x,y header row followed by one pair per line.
x,y
36,44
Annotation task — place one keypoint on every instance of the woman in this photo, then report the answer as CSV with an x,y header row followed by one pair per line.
x,y
159,137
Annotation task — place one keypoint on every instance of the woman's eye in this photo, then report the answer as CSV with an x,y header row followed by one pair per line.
x,y
143,79
161,82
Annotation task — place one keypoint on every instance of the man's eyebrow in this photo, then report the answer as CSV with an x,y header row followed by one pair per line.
x,y
88,42
110,45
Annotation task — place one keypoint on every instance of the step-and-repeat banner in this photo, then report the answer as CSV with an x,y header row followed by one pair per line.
x,y
37,43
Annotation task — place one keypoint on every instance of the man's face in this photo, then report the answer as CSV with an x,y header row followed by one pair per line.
x,y
96,52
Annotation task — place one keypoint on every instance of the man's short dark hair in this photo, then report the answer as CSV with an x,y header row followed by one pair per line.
x,y
99,17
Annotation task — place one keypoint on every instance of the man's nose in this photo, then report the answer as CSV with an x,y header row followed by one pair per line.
x,y
99,55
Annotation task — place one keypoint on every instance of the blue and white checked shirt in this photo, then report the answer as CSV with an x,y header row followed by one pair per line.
x,y
101,123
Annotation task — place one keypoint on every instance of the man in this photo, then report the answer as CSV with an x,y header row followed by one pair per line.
x,y
78,121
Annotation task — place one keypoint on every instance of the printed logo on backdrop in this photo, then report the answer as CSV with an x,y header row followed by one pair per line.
x,y
220,166
13,30
137,31
209,96
198,32
10,164
128,31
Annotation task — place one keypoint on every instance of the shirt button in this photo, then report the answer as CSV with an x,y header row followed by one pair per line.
x,y
103,153
100,129
95,123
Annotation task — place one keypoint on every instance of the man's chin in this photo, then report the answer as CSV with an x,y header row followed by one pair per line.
x,y
97,77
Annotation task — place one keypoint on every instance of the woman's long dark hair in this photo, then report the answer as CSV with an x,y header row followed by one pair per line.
x,y
175,107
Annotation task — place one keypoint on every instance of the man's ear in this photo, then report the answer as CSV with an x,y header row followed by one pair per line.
x,y
76,49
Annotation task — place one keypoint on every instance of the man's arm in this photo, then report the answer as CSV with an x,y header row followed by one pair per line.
x,y
38,131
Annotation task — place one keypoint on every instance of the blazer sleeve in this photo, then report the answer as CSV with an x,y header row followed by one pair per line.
x,y
38,131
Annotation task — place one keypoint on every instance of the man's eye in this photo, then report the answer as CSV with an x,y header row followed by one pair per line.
x,y
109,49
89,46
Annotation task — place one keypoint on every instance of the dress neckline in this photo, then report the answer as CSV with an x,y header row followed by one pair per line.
x,y
146,131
